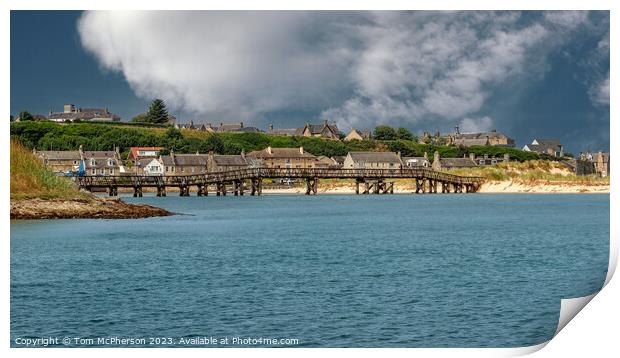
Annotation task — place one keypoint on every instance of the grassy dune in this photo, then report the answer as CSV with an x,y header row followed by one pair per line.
x,y
30,178
530,171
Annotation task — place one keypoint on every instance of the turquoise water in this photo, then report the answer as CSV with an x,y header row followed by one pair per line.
x,y
476,270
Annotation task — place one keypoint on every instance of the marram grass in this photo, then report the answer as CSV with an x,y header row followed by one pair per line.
x,y
30,179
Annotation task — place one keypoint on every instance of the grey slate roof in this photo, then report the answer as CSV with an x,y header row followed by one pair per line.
x,y
59,154
229,160
280,153
185,160
375,157
457,162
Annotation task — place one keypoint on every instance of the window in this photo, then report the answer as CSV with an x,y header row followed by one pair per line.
x,y
74,162
493,161
481,162
94,171
391,164
110,162
92,162
111,171
101,171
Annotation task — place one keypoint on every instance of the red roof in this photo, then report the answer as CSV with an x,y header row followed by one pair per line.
x,y
133,151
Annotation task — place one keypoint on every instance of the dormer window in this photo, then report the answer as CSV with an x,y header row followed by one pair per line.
x,y
92,162
110,162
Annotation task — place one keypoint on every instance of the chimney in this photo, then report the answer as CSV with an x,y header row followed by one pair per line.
x,y
426,155
241,124
436,161
69,108
325,122
271,127
472,156
456,130
301,150
269,150
486,156
506,157
243,153
398,154
81,150
221,124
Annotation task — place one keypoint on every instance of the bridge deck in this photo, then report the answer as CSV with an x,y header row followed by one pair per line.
x,y
90,182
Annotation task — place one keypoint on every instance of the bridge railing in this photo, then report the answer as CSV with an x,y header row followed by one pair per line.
x,y
250,173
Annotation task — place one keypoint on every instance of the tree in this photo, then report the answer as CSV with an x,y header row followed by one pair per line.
x,y
25,116
404,133
173,134
157,112
12,119
142,117
385,133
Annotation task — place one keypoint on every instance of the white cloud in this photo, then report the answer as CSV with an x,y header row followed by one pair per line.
x,y
235,64
600,92
359,68
475,125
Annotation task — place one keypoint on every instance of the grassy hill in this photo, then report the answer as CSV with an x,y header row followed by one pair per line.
x,y
30,179
105,136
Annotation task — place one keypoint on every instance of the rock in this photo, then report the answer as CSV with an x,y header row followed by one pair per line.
x,y
95,208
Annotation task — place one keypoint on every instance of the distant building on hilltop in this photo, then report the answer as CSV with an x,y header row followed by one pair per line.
x,y
492,138
355,134
71,113
551,147
324,130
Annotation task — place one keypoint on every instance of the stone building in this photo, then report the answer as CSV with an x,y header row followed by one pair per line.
x,y
551,147
324,130
355,134
452,163
373,160
224,162
184,164
284,157
70,113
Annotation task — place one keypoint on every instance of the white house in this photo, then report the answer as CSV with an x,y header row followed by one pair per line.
x,y
151,166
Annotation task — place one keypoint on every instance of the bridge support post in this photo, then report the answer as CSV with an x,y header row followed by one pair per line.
x,y
390,188
137,191
358,181
311,186
201,189
367,187
238,187
445,187
113,191
379,186
257,186
161,191
432,186
184,190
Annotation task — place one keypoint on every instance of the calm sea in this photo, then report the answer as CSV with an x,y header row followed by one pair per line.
x,y
477,270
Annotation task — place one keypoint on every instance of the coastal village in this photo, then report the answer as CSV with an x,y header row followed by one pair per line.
x,y
151,161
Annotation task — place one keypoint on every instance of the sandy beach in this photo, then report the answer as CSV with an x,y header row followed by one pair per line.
x,y
498,187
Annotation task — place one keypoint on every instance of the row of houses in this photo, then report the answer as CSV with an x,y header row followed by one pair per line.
x,y
150,161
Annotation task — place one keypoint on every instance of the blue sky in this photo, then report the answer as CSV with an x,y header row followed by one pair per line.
x,y
527,74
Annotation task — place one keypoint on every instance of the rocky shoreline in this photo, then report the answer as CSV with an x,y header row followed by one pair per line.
x,y
90,208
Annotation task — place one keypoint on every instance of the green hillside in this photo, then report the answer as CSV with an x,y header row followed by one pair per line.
x,y
105,136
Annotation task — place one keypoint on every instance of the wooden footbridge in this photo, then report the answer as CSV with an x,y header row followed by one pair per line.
x,y
251,180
